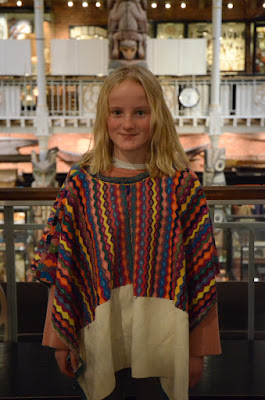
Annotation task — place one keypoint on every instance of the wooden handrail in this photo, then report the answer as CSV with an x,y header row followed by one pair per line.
x,y
23,194
235,192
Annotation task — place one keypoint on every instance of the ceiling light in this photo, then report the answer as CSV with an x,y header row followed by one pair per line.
x,y
167,5
263,5
85,4
19,3
154,5
98,4
70,4
183,5
230,5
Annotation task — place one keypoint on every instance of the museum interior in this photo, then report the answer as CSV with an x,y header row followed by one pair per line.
x,y
209,57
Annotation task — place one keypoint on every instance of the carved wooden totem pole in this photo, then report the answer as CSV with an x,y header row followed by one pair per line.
x,y
127,32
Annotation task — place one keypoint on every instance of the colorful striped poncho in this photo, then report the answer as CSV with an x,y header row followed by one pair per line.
x,y
134,264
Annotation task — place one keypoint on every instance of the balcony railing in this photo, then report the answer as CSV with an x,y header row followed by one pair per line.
x,y
240,239
72,103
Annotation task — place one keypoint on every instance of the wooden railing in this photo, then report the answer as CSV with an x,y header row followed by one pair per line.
x,y
234,193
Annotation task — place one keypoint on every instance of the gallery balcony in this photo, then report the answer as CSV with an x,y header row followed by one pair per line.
x,y
72,103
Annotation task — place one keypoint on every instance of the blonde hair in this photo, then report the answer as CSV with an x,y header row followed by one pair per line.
x,y
166,153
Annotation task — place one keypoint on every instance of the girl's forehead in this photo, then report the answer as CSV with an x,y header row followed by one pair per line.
x,y
128,90
127,82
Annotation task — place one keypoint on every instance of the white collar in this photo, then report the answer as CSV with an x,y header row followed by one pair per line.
x,y
126,165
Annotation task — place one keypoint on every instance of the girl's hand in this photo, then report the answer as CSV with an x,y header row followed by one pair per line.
x,y
195,370
67,362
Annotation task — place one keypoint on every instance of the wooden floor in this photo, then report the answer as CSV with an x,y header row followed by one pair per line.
x,y
29,371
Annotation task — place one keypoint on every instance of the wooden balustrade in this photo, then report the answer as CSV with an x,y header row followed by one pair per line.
x,y
213,193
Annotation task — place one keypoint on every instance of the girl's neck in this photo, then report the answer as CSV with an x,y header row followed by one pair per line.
x,y
127,165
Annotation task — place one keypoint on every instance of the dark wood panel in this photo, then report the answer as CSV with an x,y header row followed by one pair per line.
x,y
236,374
32,298
232,306
28,370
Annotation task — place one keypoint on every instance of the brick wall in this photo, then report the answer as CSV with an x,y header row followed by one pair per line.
x,y
197,10
201,10
64,16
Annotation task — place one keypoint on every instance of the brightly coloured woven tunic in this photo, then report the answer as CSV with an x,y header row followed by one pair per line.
x,y
133,261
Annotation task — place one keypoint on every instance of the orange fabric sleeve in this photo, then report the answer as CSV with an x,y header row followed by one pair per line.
x,y
205,338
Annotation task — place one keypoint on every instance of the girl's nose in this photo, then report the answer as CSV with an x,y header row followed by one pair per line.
x,y
128,121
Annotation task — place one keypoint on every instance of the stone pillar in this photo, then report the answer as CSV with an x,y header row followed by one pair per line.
x,y
42,121
214,156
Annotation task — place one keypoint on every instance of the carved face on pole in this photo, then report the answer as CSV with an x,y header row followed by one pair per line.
x,y
128,49
44,170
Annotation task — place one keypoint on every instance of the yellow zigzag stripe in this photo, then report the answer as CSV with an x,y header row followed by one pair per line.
x,y
105,220
205,290
77,233
63,313
197,229
70,210
180,281
152,233
84,298
72,171
184,206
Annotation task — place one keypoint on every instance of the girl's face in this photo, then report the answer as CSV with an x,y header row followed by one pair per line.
x,y
129,122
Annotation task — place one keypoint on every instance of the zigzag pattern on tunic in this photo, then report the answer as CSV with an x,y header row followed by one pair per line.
x,y
104,233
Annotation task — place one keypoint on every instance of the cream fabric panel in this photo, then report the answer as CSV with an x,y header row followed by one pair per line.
x,y
150,335
15,57
79,57
177,56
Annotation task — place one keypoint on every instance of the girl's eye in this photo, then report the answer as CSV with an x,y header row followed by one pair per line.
x,y
116,113
140,112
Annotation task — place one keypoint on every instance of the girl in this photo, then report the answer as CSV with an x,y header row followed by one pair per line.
x,y
130,255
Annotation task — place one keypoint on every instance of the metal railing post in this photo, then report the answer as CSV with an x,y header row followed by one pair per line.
x,y
251,286
10,273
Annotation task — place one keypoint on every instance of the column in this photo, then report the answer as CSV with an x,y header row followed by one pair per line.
x,y
214,156
215,107
42,121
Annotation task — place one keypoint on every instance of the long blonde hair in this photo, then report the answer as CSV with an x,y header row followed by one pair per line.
x,y
166,153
